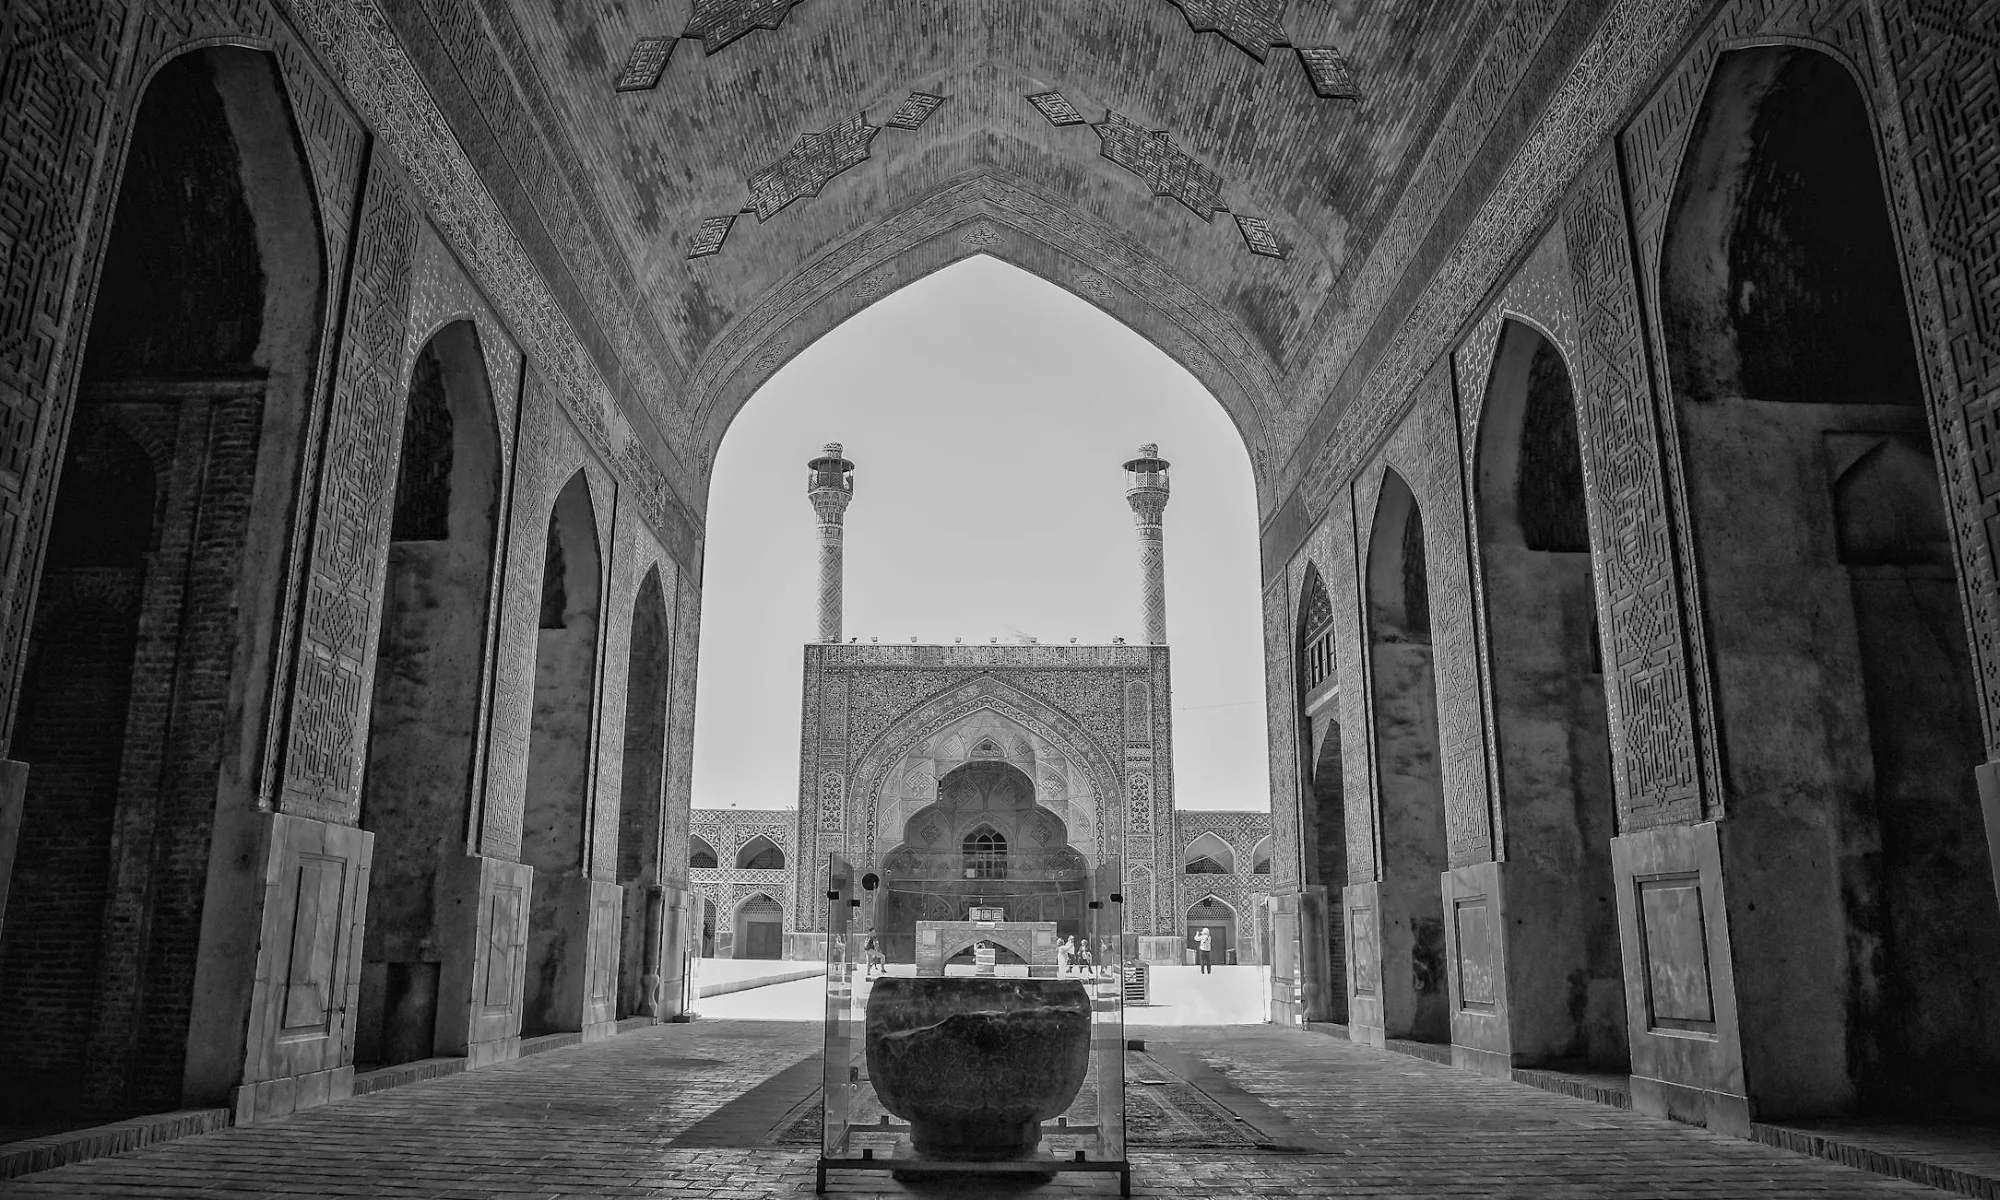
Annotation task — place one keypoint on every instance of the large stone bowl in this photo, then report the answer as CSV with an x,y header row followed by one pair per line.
x,y
975,1065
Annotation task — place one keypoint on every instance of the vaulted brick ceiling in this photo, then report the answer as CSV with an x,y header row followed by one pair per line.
x,y
810,131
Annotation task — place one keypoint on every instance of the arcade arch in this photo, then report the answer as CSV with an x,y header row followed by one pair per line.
x,y
158,585
430,664
642,781
1567,976
555,822
1845,694
1411,796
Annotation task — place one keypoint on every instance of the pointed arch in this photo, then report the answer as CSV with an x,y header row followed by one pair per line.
x,y
1208,855
1551,718
903,735
417,794
701,855
1007,217
555,821
207,308
760,853
1830,619
1409,787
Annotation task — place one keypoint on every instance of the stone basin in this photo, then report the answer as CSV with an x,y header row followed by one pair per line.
x,y
975,1065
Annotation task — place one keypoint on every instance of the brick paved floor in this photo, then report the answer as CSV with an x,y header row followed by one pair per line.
x,y
593,1121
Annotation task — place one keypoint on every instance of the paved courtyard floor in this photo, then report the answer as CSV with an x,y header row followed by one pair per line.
x,y
603,1120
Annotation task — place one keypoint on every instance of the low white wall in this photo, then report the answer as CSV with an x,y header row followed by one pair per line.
x,y
720,976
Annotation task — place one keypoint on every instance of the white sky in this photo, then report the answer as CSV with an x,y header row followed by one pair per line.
x,y
987,413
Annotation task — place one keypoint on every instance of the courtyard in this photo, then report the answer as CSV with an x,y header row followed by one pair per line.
x,y
704,1111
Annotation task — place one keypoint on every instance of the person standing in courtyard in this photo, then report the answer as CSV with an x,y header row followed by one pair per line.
x,y
1202,946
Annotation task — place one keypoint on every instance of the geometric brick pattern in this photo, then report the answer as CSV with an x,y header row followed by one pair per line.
x,y
1058,110
809,165
1253,26
720,22
646,63
915,110
805,168
1166,168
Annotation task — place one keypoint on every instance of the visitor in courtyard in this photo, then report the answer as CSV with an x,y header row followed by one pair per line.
x,y
1202,955
1065,955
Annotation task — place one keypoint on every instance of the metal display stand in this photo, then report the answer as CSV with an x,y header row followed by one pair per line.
x,y
860,1134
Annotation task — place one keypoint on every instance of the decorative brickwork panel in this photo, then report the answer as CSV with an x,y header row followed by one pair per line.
x,y
58,67
679,791
326,740
1281,708
811,162
915,110
647,62
1331,75
1252,25
1056,108
1456,652
1943,163
1652,718
1259,236
720,22
1169,170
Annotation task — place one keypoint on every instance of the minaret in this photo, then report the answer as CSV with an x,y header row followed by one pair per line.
x,y
1146,492
830,487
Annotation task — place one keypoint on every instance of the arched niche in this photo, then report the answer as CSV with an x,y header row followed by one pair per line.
x,y
1260,858
1861,895
170,534
1208,855
555,819
760,854
430,664
1218,916
1410,796
641,792
1552,720
1322,788
760,928
700,853
985,841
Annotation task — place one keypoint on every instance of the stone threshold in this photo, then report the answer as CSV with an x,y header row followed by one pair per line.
x,y
383,1078
1917,1165
99,1141
1848,1147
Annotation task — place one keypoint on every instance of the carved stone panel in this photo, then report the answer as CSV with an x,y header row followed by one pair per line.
x,y
326,742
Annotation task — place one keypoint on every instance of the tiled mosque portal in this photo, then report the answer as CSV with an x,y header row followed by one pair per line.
x,y
1618,379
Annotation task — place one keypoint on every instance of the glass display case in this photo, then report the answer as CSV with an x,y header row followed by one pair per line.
x,y
974,1018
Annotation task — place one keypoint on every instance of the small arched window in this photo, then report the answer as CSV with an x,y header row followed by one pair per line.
x,y
1260,858
700,853
985,854
760,854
